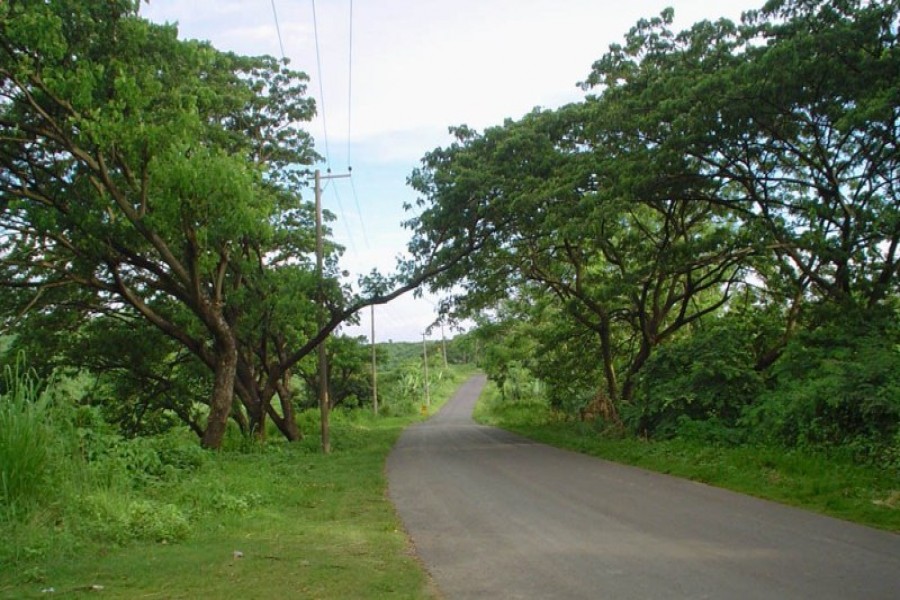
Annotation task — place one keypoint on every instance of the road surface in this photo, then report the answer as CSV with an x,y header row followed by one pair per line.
x,y
493,515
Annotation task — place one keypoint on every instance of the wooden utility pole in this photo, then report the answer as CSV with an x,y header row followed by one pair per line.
x,y
324,402
425,356
374,365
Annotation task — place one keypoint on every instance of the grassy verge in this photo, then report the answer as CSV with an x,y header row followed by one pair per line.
x,y
280,521
829,484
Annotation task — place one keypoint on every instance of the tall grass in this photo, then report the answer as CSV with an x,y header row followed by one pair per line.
x,y
25,440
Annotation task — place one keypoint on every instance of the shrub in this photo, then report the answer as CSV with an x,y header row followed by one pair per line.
x,y
838,385
25,440
519,384
708,376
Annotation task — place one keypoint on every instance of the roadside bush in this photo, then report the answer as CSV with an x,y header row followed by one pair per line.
x,y
178,449
401,391
566,363
520,384
838,385
698,386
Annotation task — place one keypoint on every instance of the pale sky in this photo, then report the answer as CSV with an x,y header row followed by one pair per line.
x,y
416,68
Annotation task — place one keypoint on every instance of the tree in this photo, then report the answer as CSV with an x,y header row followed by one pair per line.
x,y
792,118
818,153
555,201
149,178
147,170
716,159
350,372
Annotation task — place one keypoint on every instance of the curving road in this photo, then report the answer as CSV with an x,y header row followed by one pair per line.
x,y
493,515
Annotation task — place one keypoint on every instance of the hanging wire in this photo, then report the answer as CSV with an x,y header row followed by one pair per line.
x,y
278,31
321,86
362,222
344,218
350,93
349,131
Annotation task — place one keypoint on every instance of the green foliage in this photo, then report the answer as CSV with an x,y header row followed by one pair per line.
x,y
143,382
402,385
65,462
349,373
494,409
838,385
162,179
396,353
113,518
566,363
691,249
519,384
26,439
463,349
699,384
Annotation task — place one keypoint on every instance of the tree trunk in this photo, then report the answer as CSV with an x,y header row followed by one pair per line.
x,y
223,392
637,364
609,367
288,426
257,419
258,425
240,418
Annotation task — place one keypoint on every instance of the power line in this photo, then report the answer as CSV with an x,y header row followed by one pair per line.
x,y
350,94
349,123
278,31
344,218
321,86
362,222
349,128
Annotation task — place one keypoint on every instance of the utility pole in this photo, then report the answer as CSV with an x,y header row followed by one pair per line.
x,y
425,356
324,402
374,365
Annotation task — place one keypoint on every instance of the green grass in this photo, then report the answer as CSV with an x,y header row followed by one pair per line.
x,y
24,439
829,484
305,525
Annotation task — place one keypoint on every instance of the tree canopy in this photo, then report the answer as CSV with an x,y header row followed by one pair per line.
x,y
726,175
150,186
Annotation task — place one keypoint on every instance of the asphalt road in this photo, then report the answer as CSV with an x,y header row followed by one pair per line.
x,y
493,515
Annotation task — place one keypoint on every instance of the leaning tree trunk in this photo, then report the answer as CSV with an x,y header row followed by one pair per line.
x,y
223,392
288,424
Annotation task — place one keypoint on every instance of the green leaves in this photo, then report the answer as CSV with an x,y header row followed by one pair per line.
x,y
147,177
218,197
726,168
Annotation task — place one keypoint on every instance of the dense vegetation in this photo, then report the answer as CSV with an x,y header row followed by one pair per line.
x,y
158,284
708,245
